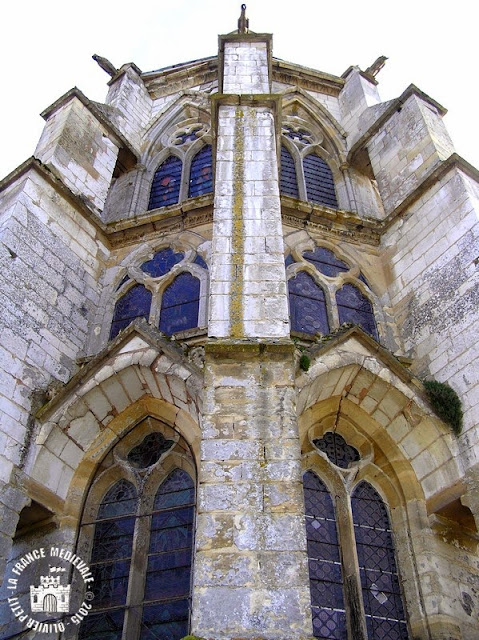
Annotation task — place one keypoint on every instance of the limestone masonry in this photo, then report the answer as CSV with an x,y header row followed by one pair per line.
x,y
222,292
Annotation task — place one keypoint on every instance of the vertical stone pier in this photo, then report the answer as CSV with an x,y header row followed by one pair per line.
x,y
250,575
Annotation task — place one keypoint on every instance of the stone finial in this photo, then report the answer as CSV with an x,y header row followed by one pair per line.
x,y
376,66
243,22
105,64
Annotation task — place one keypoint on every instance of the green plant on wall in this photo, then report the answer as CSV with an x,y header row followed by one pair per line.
x,y
446,403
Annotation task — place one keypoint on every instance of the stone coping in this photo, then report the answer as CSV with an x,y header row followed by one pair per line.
x,y
95,111
393,106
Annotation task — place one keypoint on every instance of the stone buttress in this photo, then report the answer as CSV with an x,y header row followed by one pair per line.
x,y
251,565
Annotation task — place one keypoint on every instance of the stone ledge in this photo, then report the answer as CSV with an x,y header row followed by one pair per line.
x,y
248,348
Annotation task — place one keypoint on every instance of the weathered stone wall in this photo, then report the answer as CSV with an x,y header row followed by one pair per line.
x,y
49,288
434,291
411,142
80,149
251,571
131,103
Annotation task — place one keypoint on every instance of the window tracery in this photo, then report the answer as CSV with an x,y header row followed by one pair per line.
x,y
349,538
173,282
319,297
141,589
304,173
187,172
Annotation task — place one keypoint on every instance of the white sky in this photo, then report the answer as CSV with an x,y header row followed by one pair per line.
x,y
46,49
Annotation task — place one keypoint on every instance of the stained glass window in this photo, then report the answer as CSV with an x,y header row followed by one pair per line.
x,y
337,449
167,587
325,575
289,182
111,556
319,181
165,188
180,304
307,305
377,566
135,303
199,261
354,307
162,262
201,173
326,262
149,451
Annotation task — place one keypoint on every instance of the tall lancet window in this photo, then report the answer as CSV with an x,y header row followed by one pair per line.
x,y
377,565
319,181
201,173
140,535
289,180
354,581
307,305
324,559
165,188
353,306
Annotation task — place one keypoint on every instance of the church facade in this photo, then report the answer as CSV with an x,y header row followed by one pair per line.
x,y
239,342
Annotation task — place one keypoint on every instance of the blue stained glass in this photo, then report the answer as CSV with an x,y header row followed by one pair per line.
x,y
379,579
326,262
168,577
135,303
363,279
110,583
113,539
307,305
176,490
180,304
165,188
190,136
289,260
168,621
319,181
199,261
288,180
162,262
326,583
354,307
125,279
107,625
201,174
120,499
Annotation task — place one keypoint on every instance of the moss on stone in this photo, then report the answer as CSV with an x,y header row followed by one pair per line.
x,y
446,403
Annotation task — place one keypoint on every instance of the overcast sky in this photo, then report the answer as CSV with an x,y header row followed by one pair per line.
x,y
46,49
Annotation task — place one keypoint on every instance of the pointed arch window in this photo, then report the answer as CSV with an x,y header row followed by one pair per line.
x,y
289,181
354,307
141,548
201,173
339,613
111,559
165,188
319,181
307,305
324,561
180,304
383,605
135,303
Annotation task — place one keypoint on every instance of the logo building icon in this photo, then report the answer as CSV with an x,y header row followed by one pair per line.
x,y
50,596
